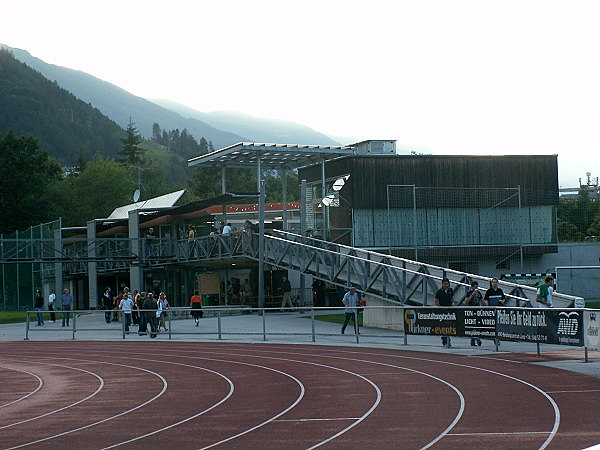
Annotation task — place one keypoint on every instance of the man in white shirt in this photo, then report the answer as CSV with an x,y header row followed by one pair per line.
x,y
227,229
544,293
350,302
51,299
126,306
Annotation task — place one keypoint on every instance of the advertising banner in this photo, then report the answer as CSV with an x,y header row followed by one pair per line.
x,y
546,326
591,322
472,322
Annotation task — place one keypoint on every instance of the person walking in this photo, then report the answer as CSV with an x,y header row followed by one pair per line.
x,y
286,287
143,325
445,297
350,301
151,305
38,304
108,299
473,298
196,305
126,306
163,305
67,305
51,301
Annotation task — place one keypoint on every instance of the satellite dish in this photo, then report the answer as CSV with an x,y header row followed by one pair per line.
x,y
136,195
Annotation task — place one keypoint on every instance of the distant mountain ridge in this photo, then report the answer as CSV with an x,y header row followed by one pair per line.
x,y
119,105
257,129
223,128
65,126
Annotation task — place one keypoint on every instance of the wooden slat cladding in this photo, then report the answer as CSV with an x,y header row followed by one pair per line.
x,y
536,174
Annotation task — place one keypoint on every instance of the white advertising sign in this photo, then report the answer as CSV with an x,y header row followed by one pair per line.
x,y
591,324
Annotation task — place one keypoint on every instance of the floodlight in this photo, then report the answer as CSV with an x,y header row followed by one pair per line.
x,y
339,183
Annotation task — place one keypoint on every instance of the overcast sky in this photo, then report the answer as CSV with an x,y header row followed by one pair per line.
x,y
441,77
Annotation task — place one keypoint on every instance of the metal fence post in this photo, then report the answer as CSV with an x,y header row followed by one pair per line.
x,y
263,312
170,315
219,323
74,323
312,319
122,325
356,332
27,326
404,326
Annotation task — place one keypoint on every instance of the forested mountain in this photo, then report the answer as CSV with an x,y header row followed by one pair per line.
x,y
66,127
222,127
119,105
256,129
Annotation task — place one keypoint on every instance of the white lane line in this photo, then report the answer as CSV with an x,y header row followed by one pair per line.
x,y
298,399
376,403
317,420
326,354
224,399
164,388
499,433
98,389
574,391
28,394
378,400
189,418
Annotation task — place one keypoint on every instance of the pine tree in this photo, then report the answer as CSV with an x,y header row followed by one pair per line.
x,y
156,135
132,153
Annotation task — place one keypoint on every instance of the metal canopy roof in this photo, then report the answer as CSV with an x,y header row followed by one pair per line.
x,y
272,156
166,201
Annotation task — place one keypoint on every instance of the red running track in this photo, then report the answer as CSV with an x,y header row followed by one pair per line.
x,y
227,395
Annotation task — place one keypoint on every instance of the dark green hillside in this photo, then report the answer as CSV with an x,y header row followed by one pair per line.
x,y
65,126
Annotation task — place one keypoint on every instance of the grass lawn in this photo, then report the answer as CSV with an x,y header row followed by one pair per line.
x,y
19,317
592,304
335,318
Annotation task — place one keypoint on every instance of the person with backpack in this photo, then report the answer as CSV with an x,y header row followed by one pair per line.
x,y
544,293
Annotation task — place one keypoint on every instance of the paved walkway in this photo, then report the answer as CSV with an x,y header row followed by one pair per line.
x,y
291,327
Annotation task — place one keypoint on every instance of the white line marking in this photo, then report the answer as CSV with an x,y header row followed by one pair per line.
x,y
229,394
40,384
378,400
316,420
568,392
64,407
550,399
108,418
498,433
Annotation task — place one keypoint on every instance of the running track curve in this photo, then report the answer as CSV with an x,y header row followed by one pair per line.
x,y
258,396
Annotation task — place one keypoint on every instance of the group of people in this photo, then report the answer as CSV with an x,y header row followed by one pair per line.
x,y
66,301
144,309
494,296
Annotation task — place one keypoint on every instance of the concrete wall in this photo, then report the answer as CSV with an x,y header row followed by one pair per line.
x,y
391,319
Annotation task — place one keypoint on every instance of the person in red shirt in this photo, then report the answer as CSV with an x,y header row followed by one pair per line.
x,y
196,305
